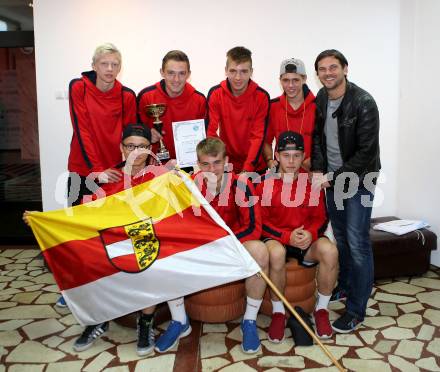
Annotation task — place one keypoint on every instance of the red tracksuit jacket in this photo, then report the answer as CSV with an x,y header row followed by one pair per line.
x,y
190,105
242,122
285,207
232,204
283,117
98,119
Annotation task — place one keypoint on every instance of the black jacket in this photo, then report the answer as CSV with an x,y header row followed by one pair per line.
x,y
358,132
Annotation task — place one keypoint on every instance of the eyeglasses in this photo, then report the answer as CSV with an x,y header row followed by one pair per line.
x,y
131,147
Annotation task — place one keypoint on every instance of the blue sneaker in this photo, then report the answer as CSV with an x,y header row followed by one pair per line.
x,y
251,341
61,302
170,337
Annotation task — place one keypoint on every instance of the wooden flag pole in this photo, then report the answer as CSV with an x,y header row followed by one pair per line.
x,y
301,321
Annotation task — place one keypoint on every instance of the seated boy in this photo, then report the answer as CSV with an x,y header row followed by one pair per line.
x,y
293,223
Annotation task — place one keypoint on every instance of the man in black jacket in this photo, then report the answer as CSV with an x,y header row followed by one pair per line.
x,y
345,161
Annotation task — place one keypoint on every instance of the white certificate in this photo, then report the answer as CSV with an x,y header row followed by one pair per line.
x,y
187,134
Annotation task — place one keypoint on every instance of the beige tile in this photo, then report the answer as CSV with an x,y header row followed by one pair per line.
x,y
46,278
280,348
117,369
28,312
402,364
100,362
53,341
10,338
36,273
317,355
98,347
25,297
397,333
10,325
47,298
161,363
368,336
263,321
24,260
33,352
6,305
16,273
367,353
120,334
388,309
74,330
324,369
3,351
281,362
409,320
14,266
348,340
429,364
409,349
238,355
36,263
5,261
10,291
24,277
378,322
5,297
371,312
337,305
240,366
360,365
434,347
4,278
371,302
426,332
68,320
10,252
26,368
213,364
426,282
52,288
3,285
433,316
35,287
74,366
431,298
43,328
214,328
385,346
127,353
28,253
212,344
411,308
20,284
386,297
430,274
401,288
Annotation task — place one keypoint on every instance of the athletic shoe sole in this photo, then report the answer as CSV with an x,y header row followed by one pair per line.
x,y
346,330
143,352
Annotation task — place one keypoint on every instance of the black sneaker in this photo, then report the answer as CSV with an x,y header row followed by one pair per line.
x,y
145,332
338,294
89,336
346,323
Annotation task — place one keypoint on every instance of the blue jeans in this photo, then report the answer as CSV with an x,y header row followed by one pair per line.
x,y
351,227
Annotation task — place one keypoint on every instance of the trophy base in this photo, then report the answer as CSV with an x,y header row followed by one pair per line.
x,y
163,156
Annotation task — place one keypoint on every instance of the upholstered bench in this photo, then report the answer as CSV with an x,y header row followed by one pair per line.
x,y
401,255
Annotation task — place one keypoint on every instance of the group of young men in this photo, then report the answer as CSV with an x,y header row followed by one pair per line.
x,y
318,141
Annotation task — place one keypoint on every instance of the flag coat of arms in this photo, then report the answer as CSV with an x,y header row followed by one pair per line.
x,y
145,245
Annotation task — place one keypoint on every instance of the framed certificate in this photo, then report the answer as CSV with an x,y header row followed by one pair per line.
x,y
187,134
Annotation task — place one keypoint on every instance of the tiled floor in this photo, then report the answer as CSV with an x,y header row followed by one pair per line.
x,y
401,332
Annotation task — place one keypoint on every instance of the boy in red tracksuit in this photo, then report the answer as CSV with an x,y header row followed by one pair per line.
x,y
100,108
182,101
233,199
294,110
294,220
238,109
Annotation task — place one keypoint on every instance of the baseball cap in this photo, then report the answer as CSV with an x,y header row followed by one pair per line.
x,y
139,130
292,65
290,141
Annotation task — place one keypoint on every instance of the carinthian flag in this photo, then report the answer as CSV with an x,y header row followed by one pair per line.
x,y
151,243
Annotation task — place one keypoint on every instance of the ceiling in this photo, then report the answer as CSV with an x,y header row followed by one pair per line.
x,y
18,14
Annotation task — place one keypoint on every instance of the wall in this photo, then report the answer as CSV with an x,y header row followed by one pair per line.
x,y
66,33
418,177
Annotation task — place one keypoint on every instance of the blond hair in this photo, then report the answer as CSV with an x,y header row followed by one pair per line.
x,y
211,146
106,48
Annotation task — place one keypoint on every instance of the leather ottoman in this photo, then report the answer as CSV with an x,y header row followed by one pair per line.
x,y
401,255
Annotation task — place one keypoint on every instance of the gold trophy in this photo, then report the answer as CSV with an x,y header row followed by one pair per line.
x,y
155,111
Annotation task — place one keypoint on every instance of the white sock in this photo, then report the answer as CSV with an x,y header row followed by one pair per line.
x,y
278,307
252,307
177,310
322,301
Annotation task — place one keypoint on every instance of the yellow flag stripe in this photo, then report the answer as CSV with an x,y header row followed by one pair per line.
x,y
159,198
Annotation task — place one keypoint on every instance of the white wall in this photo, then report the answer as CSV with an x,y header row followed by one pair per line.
x,y
418,176
66,33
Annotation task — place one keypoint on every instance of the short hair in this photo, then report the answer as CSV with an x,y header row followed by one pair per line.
x,y
331,53
211,146
106,48
239,55
175,55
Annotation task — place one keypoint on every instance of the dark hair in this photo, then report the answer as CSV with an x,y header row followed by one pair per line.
x,y
331,53
239,55
175,55
138,130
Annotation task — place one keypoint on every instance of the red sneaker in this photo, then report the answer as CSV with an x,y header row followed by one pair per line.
x,y
276,328
322,324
